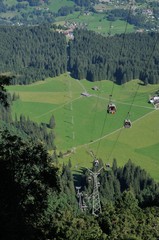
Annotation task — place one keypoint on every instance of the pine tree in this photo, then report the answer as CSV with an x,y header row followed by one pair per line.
x,y
4,80
52,122
28,181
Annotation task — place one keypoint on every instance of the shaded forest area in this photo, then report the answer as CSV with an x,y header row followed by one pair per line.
x,y
34,53
39,202
120,58
115,180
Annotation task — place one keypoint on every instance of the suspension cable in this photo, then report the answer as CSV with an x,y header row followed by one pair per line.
x,y
123,42
146,65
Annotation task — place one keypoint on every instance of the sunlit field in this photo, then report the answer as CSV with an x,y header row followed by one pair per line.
x,y
97,22
83,124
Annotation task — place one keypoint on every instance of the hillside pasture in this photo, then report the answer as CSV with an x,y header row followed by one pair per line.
x,y
55,5
97,22
10,2
83,124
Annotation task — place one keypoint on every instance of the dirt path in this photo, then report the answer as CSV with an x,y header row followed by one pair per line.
x,y
61,106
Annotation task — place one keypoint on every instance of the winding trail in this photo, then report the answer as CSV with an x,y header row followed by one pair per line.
x,y
61,106
83,87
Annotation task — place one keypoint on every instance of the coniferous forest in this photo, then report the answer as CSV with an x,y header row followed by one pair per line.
x,y
120,58
38,197
34,53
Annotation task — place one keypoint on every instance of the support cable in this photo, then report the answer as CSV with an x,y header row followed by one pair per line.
x,y
123,42
97,102
146,65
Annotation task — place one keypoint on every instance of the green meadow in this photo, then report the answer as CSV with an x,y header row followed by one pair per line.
x,y
10,2
97,22
55,5
83,124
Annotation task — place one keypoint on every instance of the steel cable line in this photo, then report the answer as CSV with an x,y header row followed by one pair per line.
x,y
146,65
114,145
109,33
123,42
97,102
95,110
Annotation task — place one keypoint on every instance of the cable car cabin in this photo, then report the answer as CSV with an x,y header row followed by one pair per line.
x,y
127,123
111,108
107,165
96,163
89,179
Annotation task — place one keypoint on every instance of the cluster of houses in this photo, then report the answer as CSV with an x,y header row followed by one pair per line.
x,y
70,27
86,94
155,101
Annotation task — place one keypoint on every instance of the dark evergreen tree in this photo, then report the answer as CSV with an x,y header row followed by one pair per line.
x,y
36,132
4,81
52,122
28,180
32,53
120,58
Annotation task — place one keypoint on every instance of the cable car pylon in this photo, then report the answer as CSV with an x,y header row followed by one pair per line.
x,y
81,202
96,206
93,200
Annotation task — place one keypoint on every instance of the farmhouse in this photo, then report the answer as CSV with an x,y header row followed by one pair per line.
x,y
156,104
154,99
95,88
85,94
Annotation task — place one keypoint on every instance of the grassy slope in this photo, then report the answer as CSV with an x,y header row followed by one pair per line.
x,y
81,121
55,5
10,2
97,22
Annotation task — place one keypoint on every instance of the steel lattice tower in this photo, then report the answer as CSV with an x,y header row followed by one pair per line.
x,y
94,198
81,202
96,206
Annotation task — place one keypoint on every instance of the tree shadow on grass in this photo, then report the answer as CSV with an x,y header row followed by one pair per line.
x,y
78,176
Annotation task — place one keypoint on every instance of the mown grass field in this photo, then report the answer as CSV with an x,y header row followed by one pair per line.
x,y
82,123
55,5
97,22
